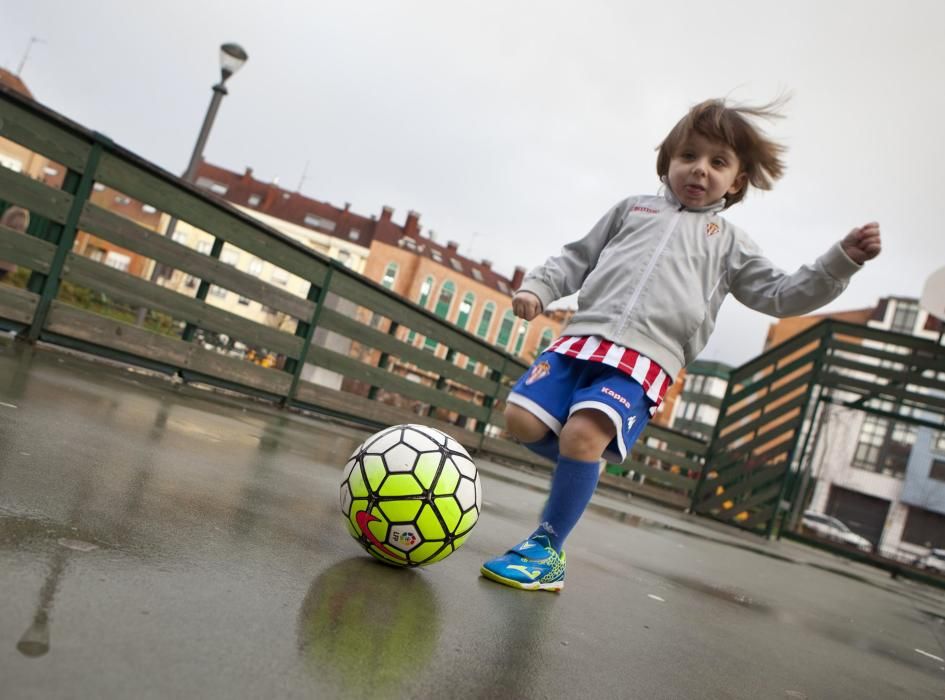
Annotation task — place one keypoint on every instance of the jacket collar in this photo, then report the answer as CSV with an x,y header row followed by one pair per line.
x,y
670,197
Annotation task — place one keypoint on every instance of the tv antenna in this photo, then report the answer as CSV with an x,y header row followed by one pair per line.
x,y
304,176
26,54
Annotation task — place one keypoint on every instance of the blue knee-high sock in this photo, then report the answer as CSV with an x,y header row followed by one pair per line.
x,y
572,486
547,447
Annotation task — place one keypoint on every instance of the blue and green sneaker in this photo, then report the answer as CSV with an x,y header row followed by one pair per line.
x,y
532,565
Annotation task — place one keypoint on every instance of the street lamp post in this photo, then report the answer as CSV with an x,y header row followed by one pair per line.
x,y
232,58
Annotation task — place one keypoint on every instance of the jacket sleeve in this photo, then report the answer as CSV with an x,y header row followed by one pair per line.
x,y
760,285
564,273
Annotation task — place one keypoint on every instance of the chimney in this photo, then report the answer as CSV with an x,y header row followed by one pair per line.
x,y
487,264
272,191
412,225
386,213
248,175
517,277
452,247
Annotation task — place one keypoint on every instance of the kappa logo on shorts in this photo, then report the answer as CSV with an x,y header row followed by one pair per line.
x,y
614,395
539,371
630,422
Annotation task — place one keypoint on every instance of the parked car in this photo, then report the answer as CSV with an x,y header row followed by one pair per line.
x,y
934,560
831,528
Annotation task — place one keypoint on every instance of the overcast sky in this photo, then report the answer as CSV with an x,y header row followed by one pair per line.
x,y
511,127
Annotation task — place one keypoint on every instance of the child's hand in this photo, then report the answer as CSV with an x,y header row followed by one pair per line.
x,y
862,243
526,305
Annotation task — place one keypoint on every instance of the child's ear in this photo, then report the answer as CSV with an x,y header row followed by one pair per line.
x,y
740,181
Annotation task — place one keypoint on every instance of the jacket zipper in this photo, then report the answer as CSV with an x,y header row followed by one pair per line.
x,y
647,272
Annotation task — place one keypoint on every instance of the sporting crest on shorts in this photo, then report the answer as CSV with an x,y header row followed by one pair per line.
x,y
538,371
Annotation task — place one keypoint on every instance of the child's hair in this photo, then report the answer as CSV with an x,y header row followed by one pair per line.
x,y
13,213
759,156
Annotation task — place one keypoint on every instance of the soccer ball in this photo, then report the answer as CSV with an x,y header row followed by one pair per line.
x,y
410,495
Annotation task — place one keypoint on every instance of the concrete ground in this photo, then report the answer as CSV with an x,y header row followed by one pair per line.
x,y
165,542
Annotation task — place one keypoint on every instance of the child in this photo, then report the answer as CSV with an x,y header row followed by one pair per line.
x,y
651,276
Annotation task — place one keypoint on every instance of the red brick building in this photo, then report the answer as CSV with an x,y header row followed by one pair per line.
x,y
466,292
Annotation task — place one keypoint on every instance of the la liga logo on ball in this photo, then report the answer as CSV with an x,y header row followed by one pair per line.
x,y
410,495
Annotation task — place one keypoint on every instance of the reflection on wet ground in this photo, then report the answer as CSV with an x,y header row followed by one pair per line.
x,y
158,540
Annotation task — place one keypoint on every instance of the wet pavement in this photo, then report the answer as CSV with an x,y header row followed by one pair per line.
x,y
159,541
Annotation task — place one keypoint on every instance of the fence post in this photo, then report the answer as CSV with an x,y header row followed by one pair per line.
x,y
817,360
318,295
489,401
441,380
382,360
203,289
47,286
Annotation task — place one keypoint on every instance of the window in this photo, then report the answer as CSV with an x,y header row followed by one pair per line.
x,y
938,441
477,274
148,209
445,300
457,265
390,274
217,291
485,320
436,256
344,257
254,200
465,309
870,441
520,337
505,329
204,247
229,257
208,184
279,276
442,308
937,471
12,164
354,235
546,336
98,186
504,287
715,386
884,446
425,290
49,172
694,383
255,267
122,199
244,301
117,261
179,237
904,317
319,222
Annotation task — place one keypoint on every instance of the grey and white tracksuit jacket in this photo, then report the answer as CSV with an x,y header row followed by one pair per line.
x,y
652,276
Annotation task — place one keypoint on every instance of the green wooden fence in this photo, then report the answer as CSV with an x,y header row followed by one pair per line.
x,y
465,403
755,464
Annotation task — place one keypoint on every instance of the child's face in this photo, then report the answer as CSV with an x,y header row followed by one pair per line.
x,y
702,171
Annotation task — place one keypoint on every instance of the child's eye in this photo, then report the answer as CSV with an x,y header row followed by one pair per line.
x,y
719,163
